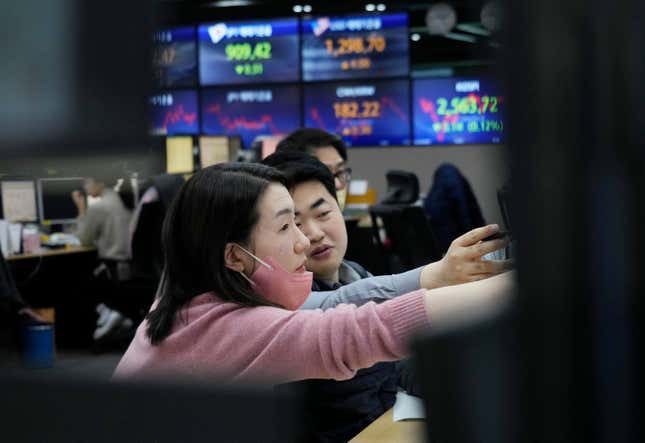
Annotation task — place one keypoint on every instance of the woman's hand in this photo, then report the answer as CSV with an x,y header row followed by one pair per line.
x,y
463,261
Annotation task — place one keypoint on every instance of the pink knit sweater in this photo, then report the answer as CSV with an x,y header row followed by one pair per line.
x,y
212,337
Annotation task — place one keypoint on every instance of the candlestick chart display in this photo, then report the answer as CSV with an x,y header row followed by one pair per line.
x,y
174,113
249,52
363,113
251,112
355,47
174,61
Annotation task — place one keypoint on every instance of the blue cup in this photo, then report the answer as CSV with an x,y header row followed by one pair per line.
x,y
38,345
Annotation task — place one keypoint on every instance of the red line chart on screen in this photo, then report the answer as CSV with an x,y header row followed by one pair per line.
x,y
232,123
177,115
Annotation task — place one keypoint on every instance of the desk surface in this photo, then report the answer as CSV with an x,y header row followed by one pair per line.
x,y
386,430
50,252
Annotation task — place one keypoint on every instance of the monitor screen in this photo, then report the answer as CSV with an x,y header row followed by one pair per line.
x,y
249,52
174,113
18,200
251,112
457,110
179,155
363,113
213,150
174,57
55,199
355,47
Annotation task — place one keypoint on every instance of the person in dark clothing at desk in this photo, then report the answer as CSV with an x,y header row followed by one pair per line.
x,y
338,410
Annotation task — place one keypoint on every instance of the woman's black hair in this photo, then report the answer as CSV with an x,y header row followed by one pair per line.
x,y
299,167
215,206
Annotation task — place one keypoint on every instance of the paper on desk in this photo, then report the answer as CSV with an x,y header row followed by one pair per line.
x,y
358,187
4,238
408,407
15,233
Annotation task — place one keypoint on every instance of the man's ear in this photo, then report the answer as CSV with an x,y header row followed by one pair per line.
x,y
233,257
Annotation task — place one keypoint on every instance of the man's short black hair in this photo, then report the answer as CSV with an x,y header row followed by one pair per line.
x,y
300,167
309,139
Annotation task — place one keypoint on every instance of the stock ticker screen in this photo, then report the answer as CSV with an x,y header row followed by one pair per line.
x,y
364,113
249,52
174,113
174,59
457,111
355,47
251,111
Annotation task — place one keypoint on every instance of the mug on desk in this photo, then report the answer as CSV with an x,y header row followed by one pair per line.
x,y
30,239
38,345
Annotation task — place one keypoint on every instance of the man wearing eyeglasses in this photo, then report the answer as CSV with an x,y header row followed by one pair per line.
x,y
329,149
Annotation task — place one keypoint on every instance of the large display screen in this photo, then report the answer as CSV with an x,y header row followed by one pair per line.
x,y
174,113
174,59
249,52
251,112
363,113
355,47
457,110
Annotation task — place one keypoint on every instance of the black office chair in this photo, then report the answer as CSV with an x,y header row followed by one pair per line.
x,y
147,256
402,188
409,241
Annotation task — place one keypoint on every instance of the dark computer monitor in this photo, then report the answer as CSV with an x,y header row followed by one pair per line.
x,y
39,408
55,201
18,200
469,381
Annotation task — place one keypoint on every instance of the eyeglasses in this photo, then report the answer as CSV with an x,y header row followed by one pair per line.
x,y
344,175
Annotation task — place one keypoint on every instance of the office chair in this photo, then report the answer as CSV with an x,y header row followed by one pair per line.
x,y
409,239
451,206
147,256
402,188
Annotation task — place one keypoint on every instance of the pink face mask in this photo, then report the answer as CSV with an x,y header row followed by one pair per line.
x,y
277,285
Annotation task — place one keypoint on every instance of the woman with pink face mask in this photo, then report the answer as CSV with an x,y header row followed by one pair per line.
x,y
235,277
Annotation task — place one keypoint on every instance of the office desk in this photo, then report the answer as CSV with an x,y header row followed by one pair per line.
x,y
60,279
51,252
385,430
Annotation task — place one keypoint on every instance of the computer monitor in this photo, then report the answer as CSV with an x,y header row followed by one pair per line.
x,y
213,150
55,199
18,200
38,408
179,155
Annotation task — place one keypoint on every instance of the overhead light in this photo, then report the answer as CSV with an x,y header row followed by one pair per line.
x,y
415,37
370,7
461,37
230,3
473,28
380,7
306,8
297,9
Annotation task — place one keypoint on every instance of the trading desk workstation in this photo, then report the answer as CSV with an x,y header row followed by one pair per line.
x,y
553,92
51,269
